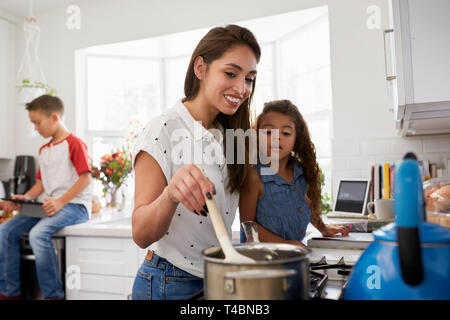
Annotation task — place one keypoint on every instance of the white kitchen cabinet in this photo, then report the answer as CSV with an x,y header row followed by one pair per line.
x,y
417,48
101,268
7,32
98,287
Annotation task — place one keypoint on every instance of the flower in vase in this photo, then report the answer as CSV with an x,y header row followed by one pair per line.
x,y
112,172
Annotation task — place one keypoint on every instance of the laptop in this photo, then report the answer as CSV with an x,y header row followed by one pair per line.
x,y
29,208
351,199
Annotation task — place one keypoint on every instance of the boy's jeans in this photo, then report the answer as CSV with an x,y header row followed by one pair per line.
x,y
42,230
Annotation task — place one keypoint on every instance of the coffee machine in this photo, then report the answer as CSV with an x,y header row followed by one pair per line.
x,y
24,176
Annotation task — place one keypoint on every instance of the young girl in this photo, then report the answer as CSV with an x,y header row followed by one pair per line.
x,y
169,212
283,203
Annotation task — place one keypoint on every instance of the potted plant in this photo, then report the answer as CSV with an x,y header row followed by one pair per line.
x,y
28,90
325,205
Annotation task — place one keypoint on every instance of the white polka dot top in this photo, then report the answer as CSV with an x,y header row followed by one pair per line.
x,y
175,139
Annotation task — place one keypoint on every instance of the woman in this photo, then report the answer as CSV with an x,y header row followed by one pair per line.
x,y
170,214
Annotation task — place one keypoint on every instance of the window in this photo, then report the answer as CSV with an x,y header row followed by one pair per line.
x,y
175,72
306,80
134,81
120,90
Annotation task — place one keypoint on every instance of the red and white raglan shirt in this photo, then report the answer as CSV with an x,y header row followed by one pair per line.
x,y
60,165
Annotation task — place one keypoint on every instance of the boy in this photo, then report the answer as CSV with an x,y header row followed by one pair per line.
x,y
64,176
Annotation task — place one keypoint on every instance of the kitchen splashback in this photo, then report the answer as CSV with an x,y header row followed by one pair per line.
x,y
6,168
354,157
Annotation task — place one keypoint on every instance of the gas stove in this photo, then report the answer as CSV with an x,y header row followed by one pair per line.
x,y
335,274
327,280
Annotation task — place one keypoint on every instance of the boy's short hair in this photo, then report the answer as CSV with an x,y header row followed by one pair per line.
x,y
46,104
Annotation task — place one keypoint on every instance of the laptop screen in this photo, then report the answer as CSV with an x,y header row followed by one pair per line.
x,y
351,196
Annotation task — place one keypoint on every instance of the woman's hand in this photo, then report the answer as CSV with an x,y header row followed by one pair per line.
x,y
189,187
329,231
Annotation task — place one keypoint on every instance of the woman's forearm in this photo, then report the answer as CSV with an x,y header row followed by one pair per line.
x,y
151,222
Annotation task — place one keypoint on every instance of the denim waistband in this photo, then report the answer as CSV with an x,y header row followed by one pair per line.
x,y
158,262
169,269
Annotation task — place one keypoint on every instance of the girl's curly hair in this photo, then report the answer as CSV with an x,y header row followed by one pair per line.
x,y
304,150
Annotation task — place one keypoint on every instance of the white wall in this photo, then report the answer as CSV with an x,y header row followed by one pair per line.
x,y
110,21
363,126
360,104
7,69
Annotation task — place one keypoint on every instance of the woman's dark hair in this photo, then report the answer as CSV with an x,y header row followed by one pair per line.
x,y
212,47
304,151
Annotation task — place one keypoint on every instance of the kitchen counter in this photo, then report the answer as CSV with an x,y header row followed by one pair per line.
x,y
101,224
117,225
333,254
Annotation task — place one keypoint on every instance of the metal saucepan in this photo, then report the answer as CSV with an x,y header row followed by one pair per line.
x,y
281,271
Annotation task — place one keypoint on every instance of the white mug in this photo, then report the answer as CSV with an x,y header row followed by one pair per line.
x,y
384,208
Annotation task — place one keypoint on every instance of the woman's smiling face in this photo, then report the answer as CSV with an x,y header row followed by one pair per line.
x,y
228,81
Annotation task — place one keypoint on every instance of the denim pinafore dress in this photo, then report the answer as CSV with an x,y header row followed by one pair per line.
x,y
283,209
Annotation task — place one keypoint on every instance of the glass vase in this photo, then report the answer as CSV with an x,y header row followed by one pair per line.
x,y
115,198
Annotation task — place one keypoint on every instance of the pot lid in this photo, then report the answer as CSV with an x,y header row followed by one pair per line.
x,y
429,233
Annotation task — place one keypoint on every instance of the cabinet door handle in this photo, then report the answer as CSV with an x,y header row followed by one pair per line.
x,y
388,77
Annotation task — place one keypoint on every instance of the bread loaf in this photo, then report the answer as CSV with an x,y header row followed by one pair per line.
x,y
442,193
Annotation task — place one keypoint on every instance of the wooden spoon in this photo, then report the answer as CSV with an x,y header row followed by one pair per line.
x,y
231,255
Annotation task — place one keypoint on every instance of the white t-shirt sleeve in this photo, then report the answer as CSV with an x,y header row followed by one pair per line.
x,y
156,144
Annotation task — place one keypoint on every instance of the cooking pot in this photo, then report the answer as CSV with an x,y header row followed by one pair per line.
x,y
281,272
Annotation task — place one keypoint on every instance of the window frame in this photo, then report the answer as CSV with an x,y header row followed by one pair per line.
x,y
82,115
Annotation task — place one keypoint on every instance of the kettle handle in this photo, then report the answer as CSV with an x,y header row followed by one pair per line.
x,y
408,207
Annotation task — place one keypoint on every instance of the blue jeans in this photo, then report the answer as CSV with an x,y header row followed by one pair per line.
x,y
158,279
40,231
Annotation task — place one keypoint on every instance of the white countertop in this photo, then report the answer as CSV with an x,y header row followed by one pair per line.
x,y
101,224
118,224
333,255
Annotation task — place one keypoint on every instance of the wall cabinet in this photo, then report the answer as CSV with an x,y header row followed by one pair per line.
x,y
417,48
101,268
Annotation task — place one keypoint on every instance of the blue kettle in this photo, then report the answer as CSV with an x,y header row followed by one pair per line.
x,y
409,258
